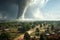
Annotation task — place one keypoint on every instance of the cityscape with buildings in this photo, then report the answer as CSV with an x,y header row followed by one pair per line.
x,y
40,30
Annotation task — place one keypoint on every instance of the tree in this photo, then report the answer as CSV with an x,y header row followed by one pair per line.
x,y
37,32
41,37
26,36
4,36
52,27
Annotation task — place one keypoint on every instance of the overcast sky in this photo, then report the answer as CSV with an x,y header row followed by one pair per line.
x,y
30,9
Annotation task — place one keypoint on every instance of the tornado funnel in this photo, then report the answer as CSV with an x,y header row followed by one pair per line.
x,y
21,7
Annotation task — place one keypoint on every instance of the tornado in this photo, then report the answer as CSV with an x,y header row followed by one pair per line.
x,y
22,6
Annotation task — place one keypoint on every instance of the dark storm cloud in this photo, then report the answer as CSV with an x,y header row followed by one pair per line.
x,y
22,4
11,9
8,9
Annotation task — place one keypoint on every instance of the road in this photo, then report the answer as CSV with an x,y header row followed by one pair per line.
x,y
21,36
30,31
